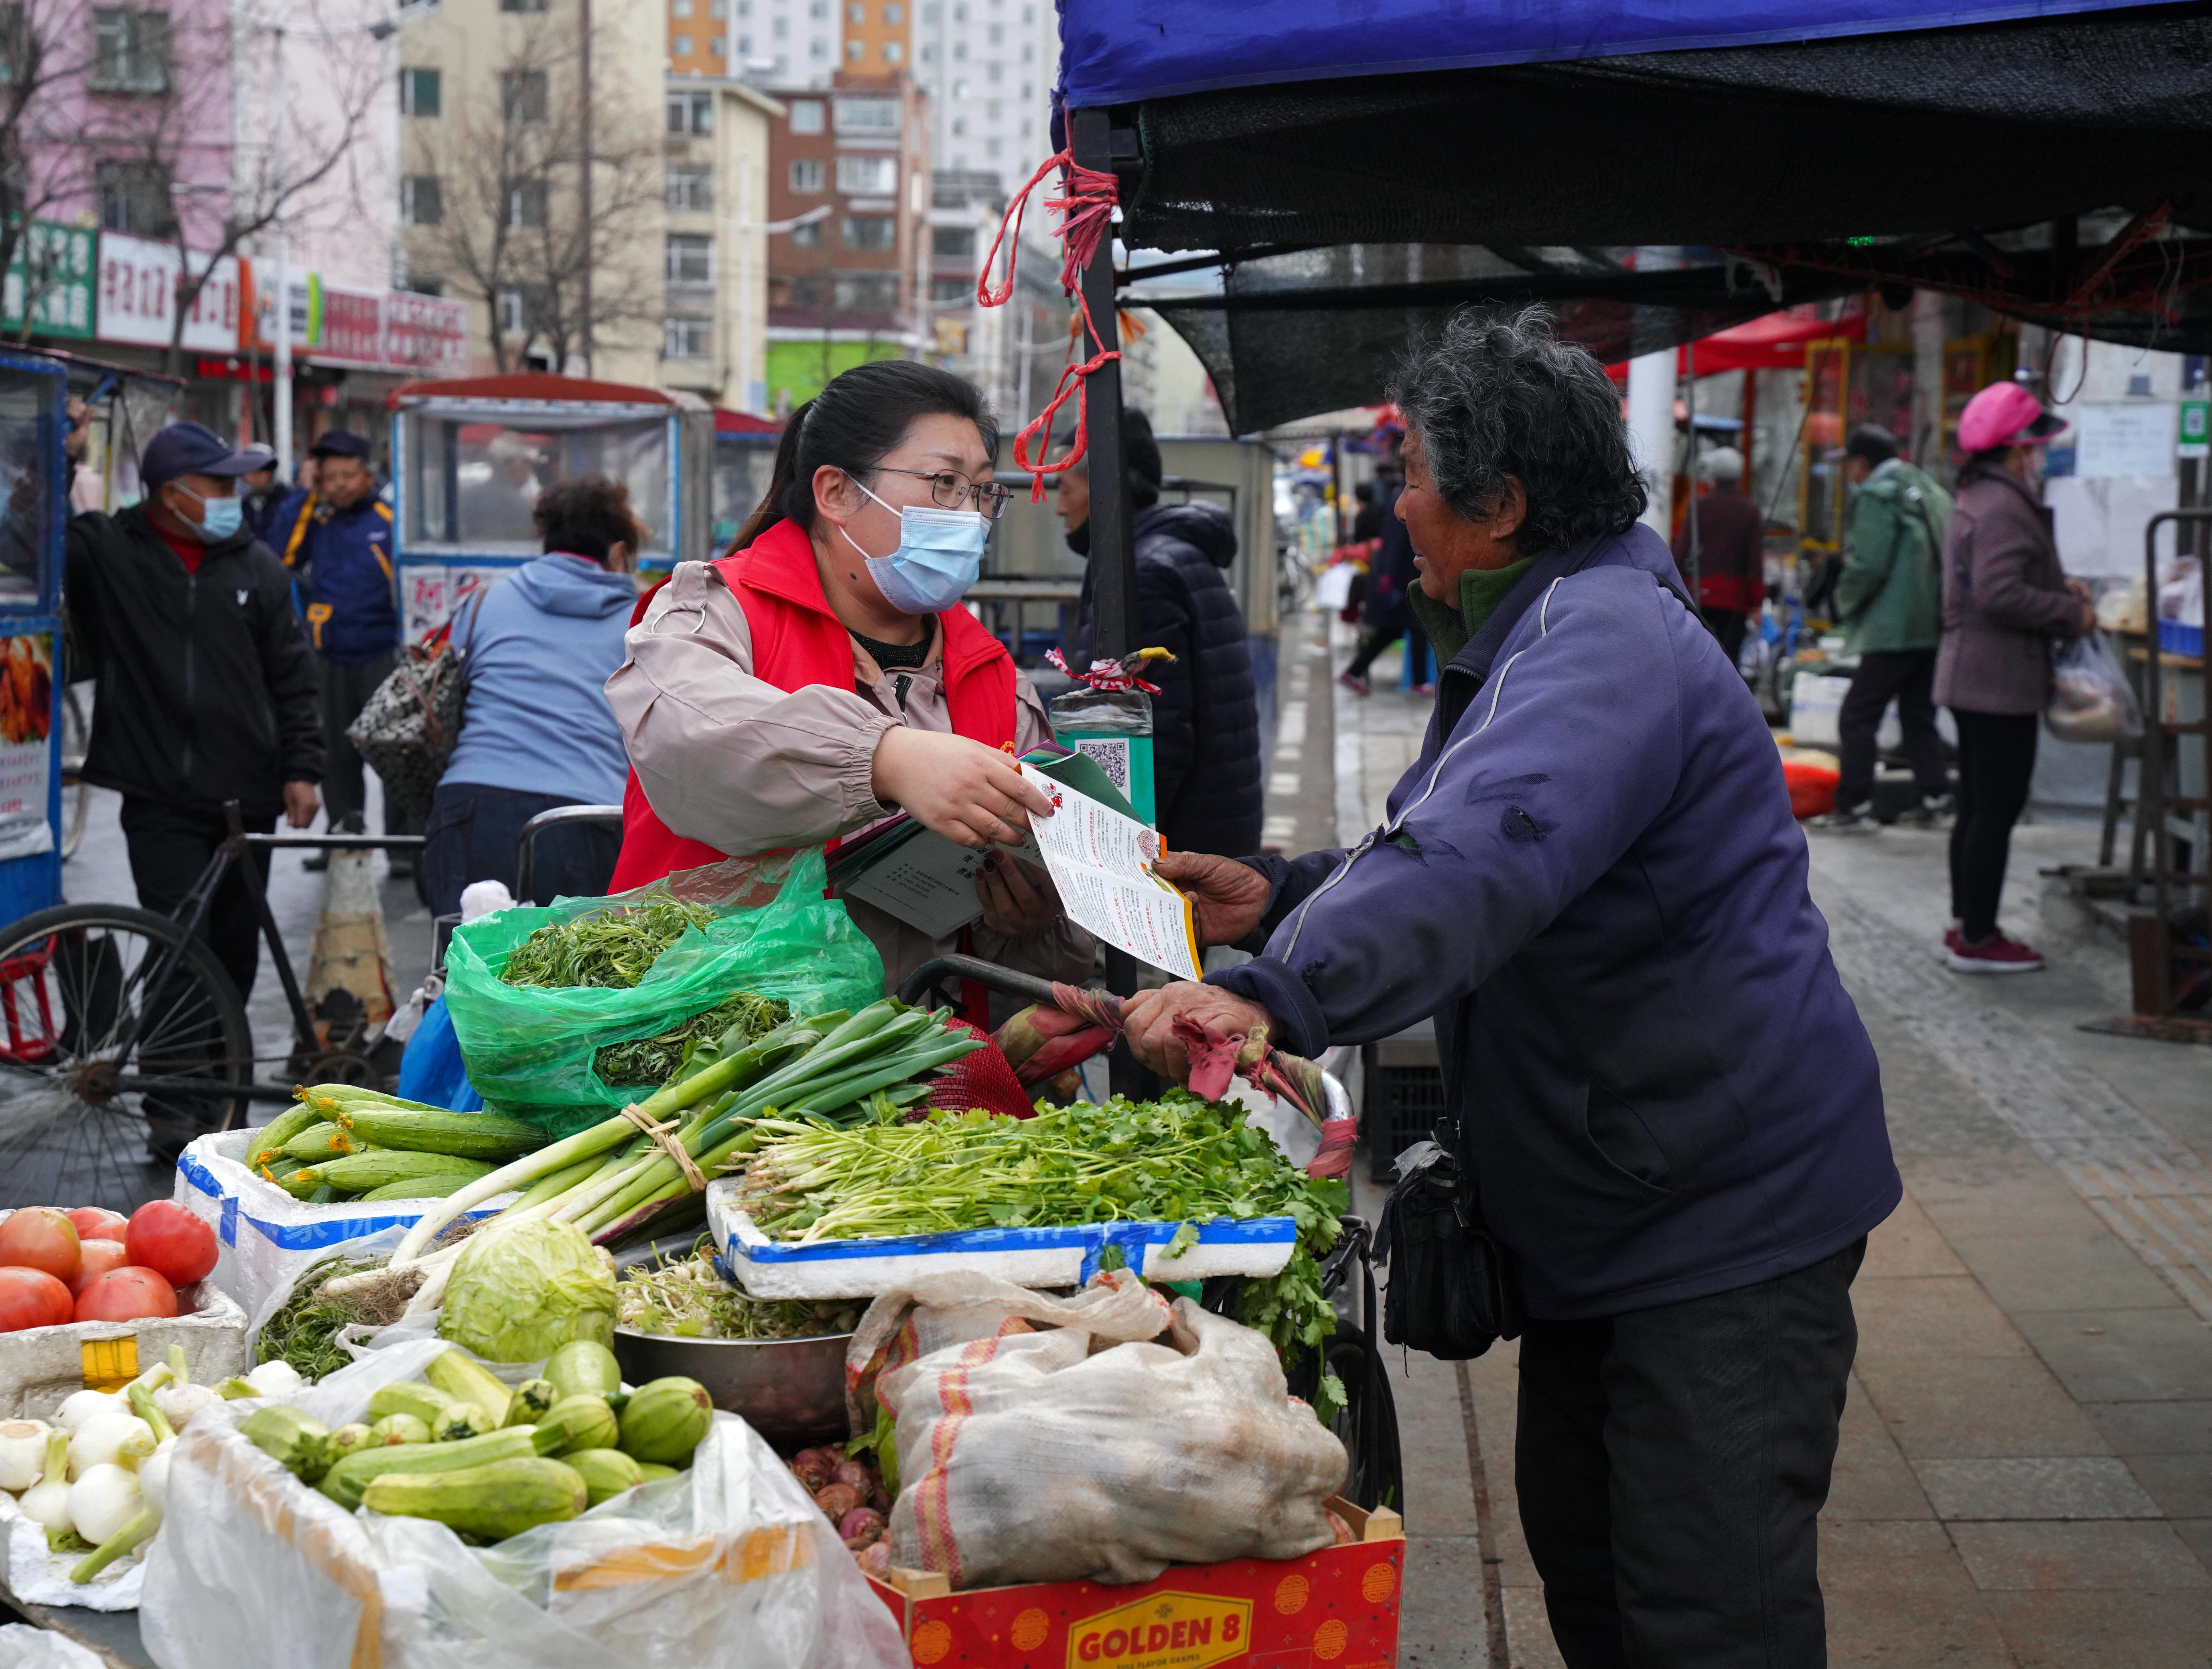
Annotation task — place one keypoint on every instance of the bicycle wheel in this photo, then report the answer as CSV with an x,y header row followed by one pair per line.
x,y
120,1039
77,793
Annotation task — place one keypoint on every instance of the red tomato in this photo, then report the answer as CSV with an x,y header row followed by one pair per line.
x,y
32,1298
126,1295
100,1256
39,1237
95,1222
166,1238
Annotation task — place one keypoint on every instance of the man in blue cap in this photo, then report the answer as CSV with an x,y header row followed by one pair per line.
x,y
336,537
207,692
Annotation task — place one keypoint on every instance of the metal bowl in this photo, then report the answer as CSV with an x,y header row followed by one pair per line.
x,y
791,1390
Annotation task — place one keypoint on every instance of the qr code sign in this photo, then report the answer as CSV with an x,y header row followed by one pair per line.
x,y
1112,756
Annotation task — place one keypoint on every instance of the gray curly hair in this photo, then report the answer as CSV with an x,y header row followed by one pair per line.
x,y
1495,396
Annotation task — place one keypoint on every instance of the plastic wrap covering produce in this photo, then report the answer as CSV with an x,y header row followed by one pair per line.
x,y
1084,1451
728,1563
22,1647
755,925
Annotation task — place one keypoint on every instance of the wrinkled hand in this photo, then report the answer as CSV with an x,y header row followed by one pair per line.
x,y
1018,899
301,803
965,791
1228,898
1148,1022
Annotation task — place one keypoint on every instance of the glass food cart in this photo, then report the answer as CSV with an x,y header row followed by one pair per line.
x,y
468,457
34,484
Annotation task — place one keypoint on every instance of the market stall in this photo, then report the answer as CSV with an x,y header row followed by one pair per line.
x,y
469,456
672,1338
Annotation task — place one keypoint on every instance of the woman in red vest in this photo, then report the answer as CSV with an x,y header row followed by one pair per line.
x,y
825,675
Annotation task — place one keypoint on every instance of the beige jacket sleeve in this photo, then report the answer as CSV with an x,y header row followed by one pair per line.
x,y
724,757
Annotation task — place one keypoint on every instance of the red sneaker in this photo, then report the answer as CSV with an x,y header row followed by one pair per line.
x,y
1353,682
1995,954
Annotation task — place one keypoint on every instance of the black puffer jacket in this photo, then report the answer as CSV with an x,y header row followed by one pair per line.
x,y
208,690
1206,719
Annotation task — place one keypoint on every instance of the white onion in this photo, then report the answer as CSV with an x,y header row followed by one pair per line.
x,y
81,1406
103,1501
276,1380
154,1476
23,1453
107,1439
178,1403
46,1502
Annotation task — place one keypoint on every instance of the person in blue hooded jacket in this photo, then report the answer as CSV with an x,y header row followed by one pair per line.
x,y
1591,879
537,732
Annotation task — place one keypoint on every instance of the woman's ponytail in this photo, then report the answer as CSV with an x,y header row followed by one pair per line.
x,y
782,477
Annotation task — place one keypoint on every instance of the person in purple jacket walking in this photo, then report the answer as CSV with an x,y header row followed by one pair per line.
x,y
1592,881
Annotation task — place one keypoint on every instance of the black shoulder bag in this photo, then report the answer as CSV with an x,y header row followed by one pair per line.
x,y
1452,1292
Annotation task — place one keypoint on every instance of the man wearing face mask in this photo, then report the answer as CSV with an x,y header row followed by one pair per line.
x,y
823,674
206,690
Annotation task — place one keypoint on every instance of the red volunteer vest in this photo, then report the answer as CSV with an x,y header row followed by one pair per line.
x,y
798,641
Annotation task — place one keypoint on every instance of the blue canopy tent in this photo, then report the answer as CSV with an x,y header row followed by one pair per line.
x,y
1357,167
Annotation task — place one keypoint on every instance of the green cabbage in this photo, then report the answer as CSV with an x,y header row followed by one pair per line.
x,y
518,1294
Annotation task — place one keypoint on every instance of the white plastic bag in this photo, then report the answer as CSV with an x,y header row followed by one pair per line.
x,y
1816,701
2091,699
22,1647
1082,1451
729,1564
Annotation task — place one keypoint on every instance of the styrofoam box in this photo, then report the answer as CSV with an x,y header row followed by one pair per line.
x,y
1055,1256
41,1366
265,1238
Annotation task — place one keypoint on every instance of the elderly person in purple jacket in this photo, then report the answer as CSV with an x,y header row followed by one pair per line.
x,y
1592,881
2005,599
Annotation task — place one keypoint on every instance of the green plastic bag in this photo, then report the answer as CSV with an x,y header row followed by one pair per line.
x,y
529,1049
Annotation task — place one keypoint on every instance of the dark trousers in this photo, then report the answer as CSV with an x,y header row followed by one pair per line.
x,y
1997,762
1671,1465
168,848
1376,639
346,689
1727,625
1908,678
471,836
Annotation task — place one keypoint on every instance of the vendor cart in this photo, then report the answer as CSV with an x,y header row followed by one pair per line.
x,y
33,477
469,458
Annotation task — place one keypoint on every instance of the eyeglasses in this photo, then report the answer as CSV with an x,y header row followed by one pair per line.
x,y
949,487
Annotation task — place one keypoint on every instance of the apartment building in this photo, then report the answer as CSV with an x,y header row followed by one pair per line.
x,y
848,174
715,280
988,66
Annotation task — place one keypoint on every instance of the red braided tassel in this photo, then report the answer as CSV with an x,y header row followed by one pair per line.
x,y
1086,211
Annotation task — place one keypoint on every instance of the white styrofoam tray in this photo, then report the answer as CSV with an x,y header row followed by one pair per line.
x,y
41,1366
264,1238
1055,1256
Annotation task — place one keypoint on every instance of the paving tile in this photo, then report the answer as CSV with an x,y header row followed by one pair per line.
x,y
1871,1480
2062,1487
1977,1406
1908,1244
2120,1554
1898,1598
1432,1441
2181,1484
2064,1266
2196,1533
1994,1193
1441,1625
2076,1631
1940,1316
1528,1640
2103,1356
2154,1428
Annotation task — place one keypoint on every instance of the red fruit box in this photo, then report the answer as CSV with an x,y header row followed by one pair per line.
x,y
1337,1607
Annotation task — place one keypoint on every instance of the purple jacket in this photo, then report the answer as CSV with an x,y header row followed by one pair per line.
x,y
2004,598
1592,881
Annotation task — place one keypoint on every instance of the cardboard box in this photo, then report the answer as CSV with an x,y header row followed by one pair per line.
x,y
1338,1607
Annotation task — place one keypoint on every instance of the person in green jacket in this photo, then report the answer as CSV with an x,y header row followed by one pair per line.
x,y
1890,599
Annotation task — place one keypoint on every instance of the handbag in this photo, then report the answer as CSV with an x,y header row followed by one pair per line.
x,y
407,728
1453,1293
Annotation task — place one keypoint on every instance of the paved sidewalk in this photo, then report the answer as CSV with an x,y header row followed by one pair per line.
x,y
2026,1470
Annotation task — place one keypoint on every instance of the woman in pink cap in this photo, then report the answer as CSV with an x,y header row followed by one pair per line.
x,y
2005,597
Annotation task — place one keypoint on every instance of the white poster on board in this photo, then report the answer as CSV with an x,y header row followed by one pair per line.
x,y
2123,440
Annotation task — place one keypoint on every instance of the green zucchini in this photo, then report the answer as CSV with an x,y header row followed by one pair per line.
x,y
344,1481
436,1186
584,1366
460,1135
501,1499
460,1375
360,1173
425,1402
271,1138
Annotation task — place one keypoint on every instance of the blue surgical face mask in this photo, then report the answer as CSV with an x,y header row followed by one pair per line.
x,y
219,518
939,554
